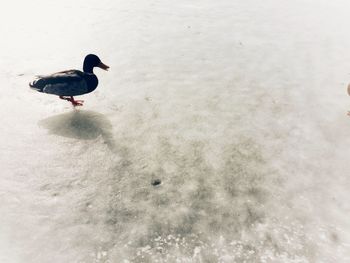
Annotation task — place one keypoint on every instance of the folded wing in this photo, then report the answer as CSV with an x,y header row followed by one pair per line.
x,y
64,83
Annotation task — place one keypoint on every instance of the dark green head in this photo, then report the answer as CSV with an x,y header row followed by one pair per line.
x,y
92,61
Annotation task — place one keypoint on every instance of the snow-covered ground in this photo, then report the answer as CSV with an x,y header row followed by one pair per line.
x,y
238,107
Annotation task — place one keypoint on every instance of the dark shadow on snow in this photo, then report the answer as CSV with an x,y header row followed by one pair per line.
x,y
82,125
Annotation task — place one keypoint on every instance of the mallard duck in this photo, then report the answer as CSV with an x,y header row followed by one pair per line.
x,y
69,83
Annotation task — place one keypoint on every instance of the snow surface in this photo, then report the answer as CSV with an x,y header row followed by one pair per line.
x,y
238,107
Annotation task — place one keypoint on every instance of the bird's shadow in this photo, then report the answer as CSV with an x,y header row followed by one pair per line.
x,y
82,125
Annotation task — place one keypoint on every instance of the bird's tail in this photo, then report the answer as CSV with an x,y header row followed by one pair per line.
x,y
35,86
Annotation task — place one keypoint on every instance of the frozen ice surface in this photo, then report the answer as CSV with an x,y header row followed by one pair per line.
x,y
238,107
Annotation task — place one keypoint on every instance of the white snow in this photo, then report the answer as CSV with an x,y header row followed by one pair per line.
x,y
238,107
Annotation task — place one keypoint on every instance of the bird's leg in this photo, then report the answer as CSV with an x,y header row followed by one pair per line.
x,y
64,98
76,102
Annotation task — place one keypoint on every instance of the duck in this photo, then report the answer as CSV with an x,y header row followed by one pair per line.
x,y
69,83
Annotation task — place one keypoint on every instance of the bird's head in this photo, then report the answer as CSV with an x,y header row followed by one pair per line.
x,y
92,61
